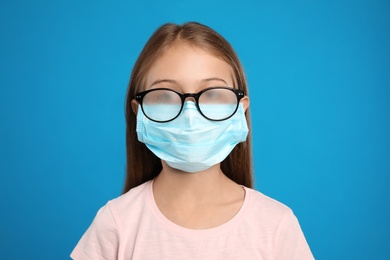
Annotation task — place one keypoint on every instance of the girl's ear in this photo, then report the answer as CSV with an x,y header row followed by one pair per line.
x,y
134,106
245,102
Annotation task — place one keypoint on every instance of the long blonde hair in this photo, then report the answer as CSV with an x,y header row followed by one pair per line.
x,y
142,164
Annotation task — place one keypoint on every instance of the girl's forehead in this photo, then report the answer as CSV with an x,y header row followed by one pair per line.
x,y
188,63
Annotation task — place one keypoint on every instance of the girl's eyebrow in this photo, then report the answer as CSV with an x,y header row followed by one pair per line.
x,y
163,81
176,83
217,79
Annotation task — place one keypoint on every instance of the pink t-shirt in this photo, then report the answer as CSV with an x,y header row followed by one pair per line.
x,y
132,227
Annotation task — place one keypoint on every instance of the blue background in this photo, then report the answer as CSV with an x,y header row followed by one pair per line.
x,y
318,73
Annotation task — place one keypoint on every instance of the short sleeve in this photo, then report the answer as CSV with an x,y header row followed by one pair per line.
x,y
290,240
100,241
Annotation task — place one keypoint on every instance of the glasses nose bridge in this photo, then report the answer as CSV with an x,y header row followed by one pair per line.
x,y
193,96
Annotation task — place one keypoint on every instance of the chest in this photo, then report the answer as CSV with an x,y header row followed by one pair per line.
x,y
153,240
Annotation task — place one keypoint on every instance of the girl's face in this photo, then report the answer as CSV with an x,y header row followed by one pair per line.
x,y
188,69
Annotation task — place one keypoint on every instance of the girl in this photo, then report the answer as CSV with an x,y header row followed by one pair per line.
x,y
189,176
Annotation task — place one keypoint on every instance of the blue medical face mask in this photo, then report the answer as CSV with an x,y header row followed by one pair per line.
x,y
192,143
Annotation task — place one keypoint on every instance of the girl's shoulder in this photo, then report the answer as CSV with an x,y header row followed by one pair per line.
x,y
263,206
132,201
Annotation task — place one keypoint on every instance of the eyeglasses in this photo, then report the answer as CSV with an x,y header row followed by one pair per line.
x,y
163,104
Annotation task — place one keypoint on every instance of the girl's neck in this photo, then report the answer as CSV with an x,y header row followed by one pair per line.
x,y
197,200
195,187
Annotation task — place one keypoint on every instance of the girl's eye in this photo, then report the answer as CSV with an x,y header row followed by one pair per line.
x,y
167,96
211,95
162,97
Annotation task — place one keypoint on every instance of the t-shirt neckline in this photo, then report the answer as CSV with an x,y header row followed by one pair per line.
x,y
195,233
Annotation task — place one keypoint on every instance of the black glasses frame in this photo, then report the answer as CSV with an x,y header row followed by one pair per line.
x,y
239,94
